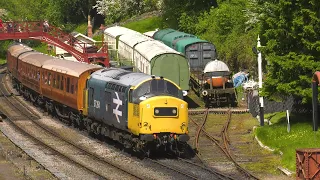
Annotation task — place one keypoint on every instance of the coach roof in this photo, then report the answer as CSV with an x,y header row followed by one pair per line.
x,y
151,49
133,39
116,31
68,67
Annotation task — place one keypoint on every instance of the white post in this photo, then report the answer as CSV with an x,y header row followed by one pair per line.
x,y
260,83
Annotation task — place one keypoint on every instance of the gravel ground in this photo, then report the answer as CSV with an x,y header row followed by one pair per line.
x,y
100,148
113,154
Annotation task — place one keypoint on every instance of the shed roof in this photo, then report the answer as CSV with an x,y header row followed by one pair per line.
x,y
116,31
133,39
216,65
151,49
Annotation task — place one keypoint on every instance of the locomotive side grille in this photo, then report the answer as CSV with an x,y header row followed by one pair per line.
x,y
165,111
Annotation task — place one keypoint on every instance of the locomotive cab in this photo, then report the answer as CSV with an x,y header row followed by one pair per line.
x,y
155,104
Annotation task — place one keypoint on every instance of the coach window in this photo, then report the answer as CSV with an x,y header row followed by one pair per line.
x,y
72,86
58,82
54,80
68,84
49,78
38,75
62,83
76,86
42,77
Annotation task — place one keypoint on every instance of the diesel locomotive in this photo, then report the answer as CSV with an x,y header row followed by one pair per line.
x,y
142,112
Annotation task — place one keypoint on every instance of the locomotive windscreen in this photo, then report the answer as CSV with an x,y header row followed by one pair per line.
x,y
156,87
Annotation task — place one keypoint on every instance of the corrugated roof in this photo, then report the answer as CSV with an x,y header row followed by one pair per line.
x,y
133,39
118,30
150,49
216,65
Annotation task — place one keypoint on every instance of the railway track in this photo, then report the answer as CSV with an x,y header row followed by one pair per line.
x,y
221,143
25,121
218,111
186,169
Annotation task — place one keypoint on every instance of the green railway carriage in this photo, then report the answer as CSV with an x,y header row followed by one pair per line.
x,y
199,52
170,38
155,58
159,34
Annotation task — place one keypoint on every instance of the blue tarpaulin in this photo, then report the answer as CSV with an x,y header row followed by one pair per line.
x,y
240,78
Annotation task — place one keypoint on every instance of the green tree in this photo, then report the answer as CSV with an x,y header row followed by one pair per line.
x,y
233,31
173,9
291,31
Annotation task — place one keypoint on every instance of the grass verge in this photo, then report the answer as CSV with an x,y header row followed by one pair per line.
x,y
301,135
144,25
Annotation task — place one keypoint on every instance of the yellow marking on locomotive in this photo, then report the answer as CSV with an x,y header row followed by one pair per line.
x,y
134,118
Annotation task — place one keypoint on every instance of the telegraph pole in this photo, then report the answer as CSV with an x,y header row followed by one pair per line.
x,y
260,83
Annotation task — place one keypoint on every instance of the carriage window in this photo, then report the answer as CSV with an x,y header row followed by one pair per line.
x,y
75,90
58,81
62,83
72,86
54,80
68,84
49,79
38,75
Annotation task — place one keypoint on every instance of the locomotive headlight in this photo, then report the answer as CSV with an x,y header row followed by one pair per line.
x,y
156,111
174,111
184,93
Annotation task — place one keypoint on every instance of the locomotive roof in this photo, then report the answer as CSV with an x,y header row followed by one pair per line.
x,y
120,76
151,49
118,30
133,39
69,67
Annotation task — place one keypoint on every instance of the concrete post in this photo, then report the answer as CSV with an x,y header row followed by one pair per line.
x,y
260,83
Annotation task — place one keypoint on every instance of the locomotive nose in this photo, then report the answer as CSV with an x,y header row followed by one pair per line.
x,y
164,115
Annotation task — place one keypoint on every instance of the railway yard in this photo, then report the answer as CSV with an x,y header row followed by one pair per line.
x,y
46,148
